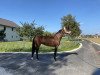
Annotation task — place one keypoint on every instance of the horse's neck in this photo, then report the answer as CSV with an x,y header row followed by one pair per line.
x,y
59,35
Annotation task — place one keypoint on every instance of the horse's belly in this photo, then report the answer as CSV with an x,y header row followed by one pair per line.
x,y
52,44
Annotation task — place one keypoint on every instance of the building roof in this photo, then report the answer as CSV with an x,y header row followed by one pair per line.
x,y
7,23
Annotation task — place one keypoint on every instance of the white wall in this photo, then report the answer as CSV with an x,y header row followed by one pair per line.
x,y
11,35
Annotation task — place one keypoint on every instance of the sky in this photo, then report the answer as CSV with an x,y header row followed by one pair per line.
x,y
49,13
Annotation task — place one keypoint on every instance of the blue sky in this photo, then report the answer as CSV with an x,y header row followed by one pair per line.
x,y
49,13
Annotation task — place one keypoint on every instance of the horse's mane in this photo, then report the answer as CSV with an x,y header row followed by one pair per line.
x,y
58,32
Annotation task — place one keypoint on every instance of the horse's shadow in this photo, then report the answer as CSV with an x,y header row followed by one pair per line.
x,y
49,57
62,55
21,64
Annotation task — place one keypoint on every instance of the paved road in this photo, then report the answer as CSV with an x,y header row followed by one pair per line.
x,y
86,61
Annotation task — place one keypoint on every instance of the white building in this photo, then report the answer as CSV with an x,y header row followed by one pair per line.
x,y
10,30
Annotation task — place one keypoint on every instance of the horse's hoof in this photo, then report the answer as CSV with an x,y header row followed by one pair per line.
x,y
37,58
55,59
31,58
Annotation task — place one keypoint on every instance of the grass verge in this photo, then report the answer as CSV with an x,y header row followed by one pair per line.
x,y
23,46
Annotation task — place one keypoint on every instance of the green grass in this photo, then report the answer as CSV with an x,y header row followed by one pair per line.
x,y
23,46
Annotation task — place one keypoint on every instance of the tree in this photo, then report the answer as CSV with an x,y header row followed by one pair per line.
x,y
70,21
29,30
39,30
46,33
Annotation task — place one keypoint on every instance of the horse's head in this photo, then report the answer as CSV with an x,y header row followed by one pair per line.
x,y
67,30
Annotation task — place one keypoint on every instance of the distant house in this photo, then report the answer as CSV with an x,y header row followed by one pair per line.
x,y
10,30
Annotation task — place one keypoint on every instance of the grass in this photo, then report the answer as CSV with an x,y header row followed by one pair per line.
x,y
23,46
96,40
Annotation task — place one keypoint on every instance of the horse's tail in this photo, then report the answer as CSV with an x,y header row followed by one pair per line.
x,y
33,46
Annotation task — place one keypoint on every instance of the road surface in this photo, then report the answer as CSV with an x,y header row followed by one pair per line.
x,y
85,61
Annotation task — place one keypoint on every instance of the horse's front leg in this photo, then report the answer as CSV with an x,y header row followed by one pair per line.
x,y
55,53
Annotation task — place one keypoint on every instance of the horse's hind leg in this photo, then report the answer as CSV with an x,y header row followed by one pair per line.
x,y
33,48
33,51
55,53
37,49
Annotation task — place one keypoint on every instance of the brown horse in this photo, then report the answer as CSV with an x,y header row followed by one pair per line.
x,y
53,41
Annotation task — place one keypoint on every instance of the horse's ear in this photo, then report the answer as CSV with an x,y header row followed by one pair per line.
x,y
64,29
68,27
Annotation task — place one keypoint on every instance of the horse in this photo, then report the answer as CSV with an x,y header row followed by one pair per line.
x,y
49,40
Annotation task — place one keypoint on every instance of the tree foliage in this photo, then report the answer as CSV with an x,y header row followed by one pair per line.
x,y
70,21
29,30
39,30
46,33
